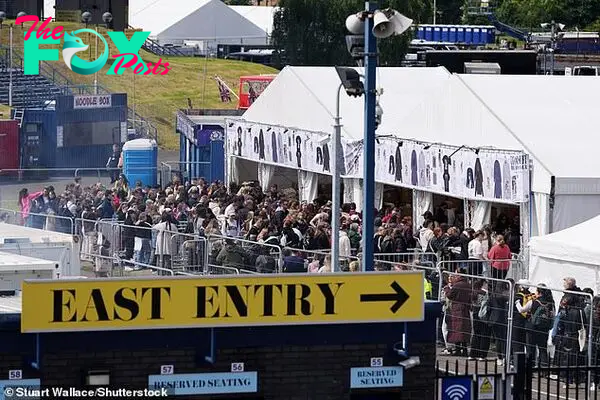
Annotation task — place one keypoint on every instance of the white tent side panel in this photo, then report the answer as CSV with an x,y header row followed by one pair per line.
x,y
552,272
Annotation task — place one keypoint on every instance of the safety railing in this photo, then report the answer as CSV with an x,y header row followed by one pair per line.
x,y
424,258
46,221
432,273
484,267
477,316
147,245
484,315
243,254
314,261
106,266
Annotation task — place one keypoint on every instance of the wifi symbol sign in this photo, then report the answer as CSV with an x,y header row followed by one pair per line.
x,y
457,388
456,392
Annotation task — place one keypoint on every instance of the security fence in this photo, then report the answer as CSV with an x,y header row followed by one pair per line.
x,y
243,255
313,261
48,221
477,316
484,316
484,267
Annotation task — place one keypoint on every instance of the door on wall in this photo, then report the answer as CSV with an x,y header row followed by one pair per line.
x,y
32,151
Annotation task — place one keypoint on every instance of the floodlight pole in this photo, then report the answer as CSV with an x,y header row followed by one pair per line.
x,y
336,186
368,217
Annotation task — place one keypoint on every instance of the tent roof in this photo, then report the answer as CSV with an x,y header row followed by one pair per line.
x,y
258,15
193,20
305,98
157,15
575,244
542,107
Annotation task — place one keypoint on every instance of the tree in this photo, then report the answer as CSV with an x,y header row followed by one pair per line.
x,y
312,32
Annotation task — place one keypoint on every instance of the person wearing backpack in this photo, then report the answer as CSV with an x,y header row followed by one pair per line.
x,y
542,312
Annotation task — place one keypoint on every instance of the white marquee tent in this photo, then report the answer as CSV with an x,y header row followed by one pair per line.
x,y
547,117
261,16
210,22
570,252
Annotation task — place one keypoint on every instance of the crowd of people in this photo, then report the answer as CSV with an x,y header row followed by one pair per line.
x,y
476,323
288,236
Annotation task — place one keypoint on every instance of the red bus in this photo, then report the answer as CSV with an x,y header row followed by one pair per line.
x,y
251,87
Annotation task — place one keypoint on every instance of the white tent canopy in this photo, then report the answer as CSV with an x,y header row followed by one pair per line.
x,y
194,20
261,16
572,252
548,117
305,98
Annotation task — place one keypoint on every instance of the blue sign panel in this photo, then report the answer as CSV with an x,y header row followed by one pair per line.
x,y
378,377
23,388
212,383
454,388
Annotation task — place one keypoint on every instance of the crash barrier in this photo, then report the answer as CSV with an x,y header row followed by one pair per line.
x,y
316,261
570,340
168,249
409,256
431,273
47,221
243,255
477,316
113,266
481,267
553,326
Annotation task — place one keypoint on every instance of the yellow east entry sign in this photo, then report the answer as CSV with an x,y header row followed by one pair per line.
x,y
89,305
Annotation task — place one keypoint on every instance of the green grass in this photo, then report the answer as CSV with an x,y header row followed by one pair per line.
x,y
157,98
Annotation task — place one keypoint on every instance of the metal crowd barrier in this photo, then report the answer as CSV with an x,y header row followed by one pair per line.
x,y
315,259
48,222
248,255
463,330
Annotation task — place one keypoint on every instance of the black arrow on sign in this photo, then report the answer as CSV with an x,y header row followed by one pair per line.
x,y
400,297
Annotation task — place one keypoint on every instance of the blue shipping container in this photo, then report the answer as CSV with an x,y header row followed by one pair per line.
x,y
140,161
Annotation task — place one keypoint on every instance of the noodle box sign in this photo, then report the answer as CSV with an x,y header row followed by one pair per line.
x,y
205,384
92,101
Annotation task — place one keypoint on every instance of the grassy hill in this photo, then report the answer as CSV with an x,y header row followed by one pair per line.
x,y
156,97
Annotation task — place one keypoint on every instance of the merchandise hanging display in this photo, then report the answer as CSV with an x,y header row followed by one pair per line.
x,y
494,175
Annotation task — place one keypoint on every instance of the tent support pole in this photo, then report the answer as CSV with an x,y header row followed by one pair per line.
x,y
551,204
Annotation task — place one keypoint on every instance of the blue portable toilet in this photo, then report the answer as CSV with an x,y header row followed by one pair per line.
x,y
421,33
452,35
140,161
445,37
469,35
437,34
460,35
477,39
428,34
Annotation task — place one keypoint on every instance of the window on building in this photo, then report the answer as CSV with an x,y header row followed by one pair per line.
x,y
91,133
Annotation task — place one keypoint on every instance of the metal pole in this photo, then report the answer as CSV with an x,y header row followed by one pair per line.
x,y
10,66
552,39
96,74
434,11
368,219
336,187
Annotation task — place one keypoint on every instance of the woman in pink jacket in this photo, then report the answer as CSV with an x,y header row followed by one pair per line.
x,y
499,256
25,200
